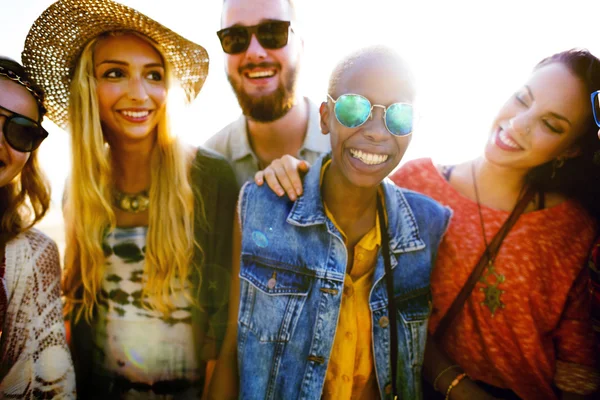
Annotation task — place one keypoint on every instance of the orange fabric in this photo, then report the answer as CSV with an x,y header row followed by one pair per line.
x,y
546,315
350,373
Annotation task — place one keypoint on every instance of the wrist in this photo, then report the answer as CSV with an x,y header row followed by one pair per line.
x,y
439,378
457,380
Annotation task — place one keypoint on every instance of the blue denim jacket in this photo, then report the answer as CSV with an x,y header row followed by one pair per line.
x,y
292,278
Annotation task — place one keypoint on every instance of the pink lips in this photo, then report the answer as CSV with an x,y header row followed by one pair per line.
x,y
498,141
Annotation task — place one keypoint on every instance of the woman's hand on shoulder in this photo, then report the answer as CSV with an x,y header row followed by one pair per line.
x,y
283,176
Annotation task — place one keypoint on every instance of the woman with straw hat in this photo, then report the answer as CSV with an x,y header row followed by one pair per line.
x,y
34,357
148,220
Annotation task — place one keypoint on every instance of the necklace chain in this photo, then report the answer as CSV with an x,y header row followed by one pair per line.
x,y
491,278
481,222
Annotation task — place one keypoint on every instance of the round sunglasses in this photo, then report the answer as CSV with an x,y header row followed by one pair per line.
x,y
353,110
21,133
270,35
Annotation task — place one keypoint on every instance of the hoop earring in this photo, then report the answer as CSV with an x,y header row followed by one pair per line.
x,y
557,164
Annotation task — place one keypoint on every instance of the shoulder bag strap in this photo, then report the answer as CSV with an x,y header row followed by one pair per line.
x,y
389,280
490,252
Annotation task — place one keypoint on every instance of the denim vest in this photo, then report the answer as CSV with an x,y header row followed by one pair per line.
x,y
292,277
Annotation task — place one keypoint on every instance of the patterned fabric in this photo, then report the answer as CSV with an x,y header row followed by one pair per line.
x,y
233,143
3,294
215,192
594,265
351,372
545,319
166,352
34,358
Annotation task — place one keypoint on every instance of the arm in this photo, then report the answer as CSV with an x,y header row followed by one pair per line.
x,y
576,372
283,176
225,381
436,363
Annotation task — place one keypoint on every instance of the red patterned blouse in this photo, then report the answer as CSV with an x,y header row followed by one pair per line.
x,y
541,337
595,286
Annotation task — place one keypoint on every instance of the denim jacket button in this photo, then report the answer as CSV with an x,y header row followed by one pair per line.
x,y
384,322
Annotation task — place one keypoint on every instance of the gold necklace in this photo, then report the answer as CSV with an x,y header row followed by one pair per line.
x,y
132,203
491,278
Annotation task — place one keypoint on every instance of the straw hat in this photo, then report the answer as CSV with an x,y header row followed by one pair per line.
x,y
57,38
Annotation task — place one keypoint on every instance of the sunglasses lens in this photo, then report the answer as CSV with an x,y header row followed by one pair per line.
x,y
22,134
273,35
596,107
352,110
234,40
399,119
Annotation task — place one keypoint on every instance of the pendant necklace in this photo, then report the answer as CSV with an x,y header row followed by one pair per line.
x,y
491,279
132,203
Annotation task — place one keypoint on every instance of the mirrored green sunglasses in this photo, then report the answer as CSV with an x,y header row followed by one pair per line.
x,y
353,110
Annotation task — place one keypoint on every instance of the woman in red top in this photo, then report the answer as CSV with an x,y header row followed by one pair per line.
x,y
524,330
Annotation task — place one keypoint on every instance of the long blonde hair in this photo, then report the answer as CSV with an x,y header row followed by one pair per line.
x,y
88,206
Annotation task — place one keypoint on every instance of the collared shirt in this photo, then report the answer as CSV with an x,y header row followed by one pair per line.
x,y
350,373
233,143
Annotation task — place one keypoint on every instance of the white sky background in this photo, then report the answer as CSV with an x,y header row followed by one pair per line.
x,y
468,57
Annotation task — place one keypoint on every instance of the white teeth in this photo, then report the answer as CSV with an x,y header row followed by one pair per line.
x,y
135,114
369,158
260,74
505,139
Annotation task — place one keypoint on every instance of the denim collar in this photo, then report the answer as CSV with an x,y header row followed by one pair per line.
x,y
314,141
402,225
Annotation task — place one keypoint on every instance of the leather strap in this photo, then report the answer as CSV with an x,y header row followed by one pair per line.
x,y
389,280
487,256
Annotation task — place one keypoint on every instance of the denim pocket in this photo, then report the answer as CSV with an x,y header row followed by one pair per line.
x,y
414,309
271,298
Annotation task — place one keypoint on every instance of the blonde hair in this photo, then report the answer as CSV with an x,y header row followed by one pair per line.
x,y
88,206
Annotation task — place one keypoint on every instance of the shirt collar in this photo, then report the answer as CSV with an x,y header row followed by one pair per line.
x,y
314,140
240,145
402,228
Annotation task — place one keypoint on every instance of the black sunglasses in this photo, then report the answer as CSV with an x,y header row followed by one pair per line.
x,y
270,35
21,133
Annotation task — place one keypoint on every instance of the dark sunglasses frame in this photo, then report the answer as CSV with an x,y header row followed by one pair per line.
x,y
255,30
595,100
7,131
385,109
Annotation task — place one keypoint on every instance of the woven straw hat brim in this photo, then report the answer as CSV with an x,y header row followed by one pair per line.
x,y
57,38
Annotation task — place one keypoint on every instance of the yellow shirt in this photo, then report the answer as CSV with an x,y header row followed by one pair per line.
x,y
350,374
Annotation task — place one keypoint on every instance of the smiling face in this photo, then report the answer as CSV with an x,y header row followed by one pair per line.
x,y
131,88
365,155
541,121
17,99
264,80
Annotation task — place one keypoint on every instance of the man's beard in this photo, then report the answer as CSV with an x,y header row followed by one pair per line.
x,y
269,107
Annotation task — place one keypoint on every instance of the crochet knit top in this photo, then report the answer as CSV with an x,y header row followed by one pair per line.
x,y
35,361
